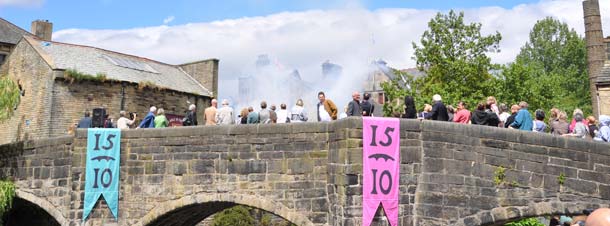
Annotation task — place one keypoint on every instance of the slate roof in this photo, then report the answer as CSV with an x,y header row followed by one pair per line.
x,y
10,33
91,60
604,77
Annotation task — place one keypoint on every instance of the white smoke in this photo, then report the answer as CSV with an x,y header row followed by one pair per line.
x,y
351,37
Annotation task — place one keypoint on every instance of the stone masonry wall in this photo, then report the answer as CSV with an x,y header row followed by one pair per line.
x,y
311,174
31,119
278,168
544,174
42,171
51,105
206,72
71,100
447,174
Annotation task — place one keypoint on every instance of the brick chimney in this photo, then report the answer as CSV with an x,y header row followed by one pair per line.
x,y
596,49
206,72
43,29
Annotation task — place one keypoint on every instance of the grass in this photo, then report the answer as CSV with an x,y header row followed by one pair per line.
x,y
72,75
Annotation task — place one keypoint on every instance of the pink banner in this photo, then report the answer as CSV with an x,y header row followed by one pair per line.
x,y
381,168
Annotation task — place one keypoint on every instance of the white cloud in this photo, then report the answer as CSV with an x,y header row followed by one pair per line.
x,y
168,19
21,3
304,40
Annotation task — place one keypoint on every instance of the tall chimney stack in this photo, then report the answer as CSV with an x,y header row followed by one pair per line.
x,y
596,52
43,29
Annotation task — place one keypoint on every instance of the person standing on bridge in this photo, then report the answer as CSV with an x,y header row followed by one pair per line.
x,y
503,115
491,102
560,126
149,120
85,122
439,111
462,115
410,110
160,120
523,120
367,107
514,109
298,112
124,122
224,115
483,116
604,129
191,116
283,116
327,110
243,116
580,128
264,116
539,125
252,116
210,113
353,108
272,114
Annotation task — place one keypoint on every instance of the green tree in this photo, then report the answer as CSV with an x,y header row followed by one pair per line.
x,y
550,71
237,215
9,97
395,90
525,222
453,56
7,194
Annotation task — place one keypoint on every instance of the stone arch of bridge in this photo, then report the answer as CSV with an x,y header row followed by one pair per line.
x,y
190,210
43,204
503,215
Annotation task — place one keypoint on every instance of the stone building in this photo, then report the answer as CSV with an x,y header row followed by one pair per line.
x,y
60,81
9,36
598,57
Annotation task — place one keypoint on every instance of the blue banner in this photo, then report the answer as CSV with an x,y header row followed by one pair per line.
x,y
102,169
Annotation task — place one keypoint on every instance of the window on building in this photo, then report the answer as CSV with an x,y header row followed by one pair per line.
x,y
131,64
2,57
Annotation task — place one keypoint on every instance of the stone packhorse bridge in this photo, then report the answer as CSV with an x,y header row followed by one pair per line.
x,y
310,174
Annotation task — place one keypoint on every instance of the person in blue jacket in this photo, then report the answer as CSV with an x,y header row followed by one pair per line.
x,y
149,120
523,120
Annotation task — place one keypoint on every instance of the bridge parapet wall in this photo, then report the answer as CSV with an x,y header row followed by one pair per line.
x,y
448,171
41,171
311,174
286,164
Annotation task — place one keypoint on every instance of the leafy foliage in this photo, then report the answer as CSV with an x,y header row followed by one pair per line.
x,y
9,97
453,56
499,175
243,215
396,90
237,215
526,222
148,85
550,71
7,193
72,75
561,178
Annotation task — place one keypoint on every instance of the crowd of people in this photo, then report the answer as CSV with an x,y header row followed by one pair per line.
x,y
488,113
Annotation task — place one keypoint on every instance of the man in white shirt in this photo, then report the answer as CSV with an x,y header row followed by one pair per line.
x,y
124,122
327,110
282,114
224,115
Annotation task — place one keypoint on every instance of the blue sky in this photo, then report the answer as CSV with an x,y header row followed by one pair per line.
x,y
117,14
